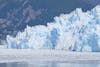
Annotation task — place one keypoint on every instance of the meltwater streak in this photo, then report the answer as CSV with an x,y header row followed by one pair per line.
x,y
77,31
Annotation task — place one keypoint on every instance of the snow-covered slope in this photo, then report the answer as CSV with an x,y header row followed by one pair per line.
x,y
77,31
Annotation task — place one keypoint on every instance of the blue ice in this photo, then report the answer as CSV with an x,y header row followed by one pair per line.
x,y
77,31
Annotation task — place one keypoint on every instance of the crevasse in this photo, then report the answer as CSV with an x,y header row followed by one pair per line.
x,y
77,31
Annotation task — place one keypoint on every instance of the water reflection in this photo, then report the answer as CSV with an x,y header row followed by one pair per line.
x,y
50,64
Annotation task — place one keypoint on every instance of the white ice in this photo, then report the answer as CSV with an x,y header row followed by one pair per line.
x,y
77,31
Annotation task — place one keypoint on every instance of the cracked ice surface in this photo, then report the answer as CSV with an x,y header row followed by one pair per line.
x,y
77,31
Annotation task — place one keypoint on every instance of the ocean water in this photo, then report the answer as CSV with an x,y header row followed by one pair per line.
x,y
52,64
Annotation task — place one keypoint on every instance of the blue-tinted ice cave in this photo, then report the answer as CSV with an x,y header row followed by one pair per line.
x,y
77,31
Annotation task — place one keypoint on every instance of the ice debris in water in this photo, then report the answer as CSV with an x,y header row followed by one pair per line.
x,y
77,31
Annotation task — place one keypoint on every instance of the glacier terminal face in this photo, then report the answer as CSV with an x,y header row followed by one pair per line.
x,y
77,31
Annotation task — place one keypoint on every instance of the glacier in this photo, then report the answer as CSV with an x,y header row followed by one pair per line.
x,y
76,31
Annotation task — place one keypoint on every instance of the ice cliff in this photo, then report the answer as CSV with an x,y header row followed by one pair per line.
x,y
77,31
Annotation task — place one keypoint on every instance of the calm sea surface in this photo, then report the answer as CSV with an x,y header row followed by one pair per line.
x,y
51,64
